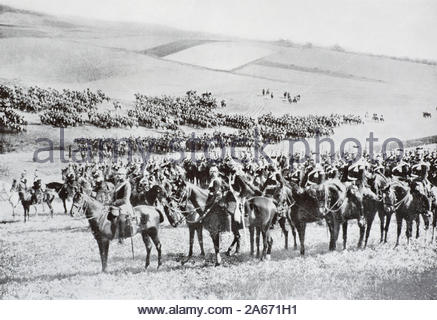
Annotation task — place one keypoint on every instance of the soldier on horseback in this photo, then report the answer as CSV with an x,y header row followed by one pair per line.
x,y
121,209
316,176
215,190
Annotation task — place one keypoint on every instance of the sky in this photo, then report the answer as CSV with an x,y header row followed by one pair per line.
x,y
392,27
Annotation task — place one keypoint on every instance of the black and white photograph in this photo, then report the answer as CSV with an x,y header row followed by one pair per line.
x,y
218,150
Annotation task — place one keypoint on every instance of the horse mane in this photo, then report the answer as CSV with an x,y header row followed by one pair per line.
x,y
336,184
248,185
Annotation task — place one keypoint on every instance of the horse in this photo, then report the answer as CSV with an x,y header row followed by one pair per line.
x,y
44,196
427,114
146,221
9,193
215,220
361,203
407,205
378,183
64,191
27,198
247,189
325,201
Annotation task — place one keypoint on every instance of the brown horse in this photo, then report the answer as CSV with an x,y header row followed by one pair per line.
x,y
283,200
213,220
146,221
407,206
260,211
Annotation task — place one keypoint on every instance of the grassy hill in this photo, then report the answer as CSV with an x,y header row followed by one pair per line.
x,y
125,58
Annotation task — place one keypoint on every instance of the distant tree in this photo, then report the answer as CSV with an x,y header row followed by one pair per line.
x,y
337,47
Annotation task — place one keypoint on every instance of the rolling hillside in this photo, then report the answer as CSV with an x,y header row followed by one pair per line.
x,y
125,58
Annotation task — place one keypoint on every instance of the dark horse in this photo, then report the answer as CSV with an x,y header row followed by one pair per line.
x,y
64,191
327,201
281,198
362,202
146,221
377,183
34,197
260,212
407,206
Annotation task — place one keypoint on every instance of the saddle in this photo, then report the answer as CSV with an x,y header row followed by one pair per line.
x,y
117,219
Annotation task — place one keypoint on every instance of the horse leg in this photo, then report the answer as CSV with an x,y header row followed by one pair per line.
x,y
434,223
409,230
334,227
301,231
387,226
64,202
344,228
216,241
399,223
269,244
368,227
103,251
362,231
258,232
235,241
284,231
199,230
157,243
293,231
146,240
191,230
417,226
252,235
49,204
381,224
265,245
105,254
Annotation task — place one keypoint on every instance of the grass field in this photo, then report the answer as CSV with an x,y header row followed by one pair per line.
x,y
58,259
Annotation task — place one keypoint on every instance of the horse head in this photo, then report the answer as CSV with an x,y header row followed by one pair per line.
x,y
388,198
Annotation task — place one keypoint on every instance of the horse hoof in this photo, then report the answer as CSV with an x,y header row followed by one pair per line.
x,y
217,264
228,253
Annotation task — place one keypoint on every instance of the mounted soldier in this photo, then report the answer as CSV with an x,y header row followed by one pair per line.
x,y
215,195
274,181
401,170
315,176
121,209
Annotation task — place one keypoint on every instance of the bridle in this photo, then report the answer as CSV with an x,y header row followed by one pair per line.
x,y
82,207
332,208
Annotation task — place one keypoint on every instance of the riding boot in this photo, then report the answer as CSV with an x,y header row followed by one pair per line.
x,y
122,227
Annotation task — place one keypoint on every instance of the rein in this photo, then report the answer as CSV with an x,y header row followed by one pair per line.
x,y
331,209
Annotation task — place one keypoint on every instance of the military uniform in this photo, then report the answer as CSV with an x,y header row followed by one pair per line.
x,y
121,203
215,193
